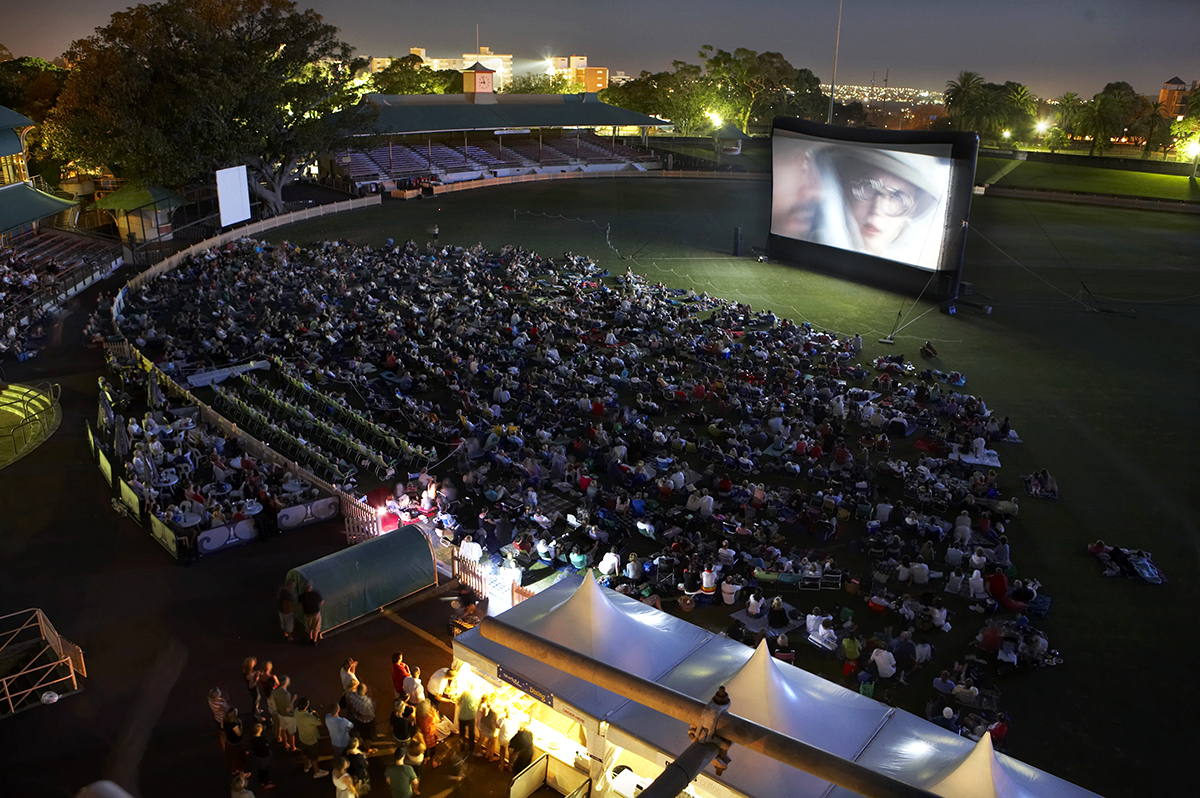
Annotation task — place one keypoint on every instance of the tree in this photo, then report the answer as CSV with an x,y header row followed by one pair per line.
x,y
409,75
1067,110
1055,139
962,97
681,97
543,83
1102,118
742,81
1153,126
167,93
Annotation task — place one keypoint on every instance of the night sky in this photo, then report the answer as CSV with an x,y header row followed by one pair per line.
x,y
1051,45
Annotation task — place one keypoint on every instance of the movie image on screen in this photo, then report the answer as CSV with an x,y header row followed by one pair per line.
x,y
877,200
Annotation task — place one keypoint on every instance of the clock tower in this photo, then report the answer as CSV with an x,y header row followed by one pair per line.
x,y
477,79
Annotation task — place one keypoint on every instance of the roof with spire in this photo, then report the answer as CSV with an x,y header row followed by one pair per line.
x,y
478,67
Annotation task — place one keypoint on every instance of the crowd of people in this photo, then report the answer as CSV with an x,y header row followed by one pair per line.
x,y
445,723
678,443
20,281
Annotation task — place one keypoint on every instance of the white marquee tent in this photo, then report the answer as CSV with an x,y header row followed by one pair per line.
x,y
625,633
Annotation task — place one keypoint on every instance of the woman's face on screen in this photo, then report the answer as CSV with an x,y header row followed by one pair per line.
x,y
881,205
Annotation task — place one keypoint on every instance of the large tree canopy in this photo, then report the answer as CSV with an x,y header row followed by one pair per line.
x,y
409,75
168,93
542,83
745,87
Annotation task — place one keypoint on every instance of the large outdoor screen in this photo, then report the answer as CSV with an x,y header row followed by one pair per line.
x,y
872,196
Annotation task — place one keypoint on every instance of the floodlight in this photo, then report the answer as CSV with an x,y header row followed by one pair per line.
x,y
1192,148
1042,127
715,117
1007,134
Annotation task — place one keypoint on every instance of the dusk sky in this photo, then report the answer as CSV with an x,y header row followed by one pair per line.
x,y
1051,45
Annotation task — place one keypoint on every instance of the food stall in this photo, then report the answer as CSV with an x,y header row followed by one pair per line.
x,y
627,745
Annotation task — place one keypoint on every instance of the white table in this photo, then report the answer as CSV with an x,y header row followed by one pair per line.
x,y
190,520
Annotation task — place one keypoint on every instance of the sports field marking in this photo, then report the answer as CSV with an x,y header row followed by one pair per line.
x,y
421,633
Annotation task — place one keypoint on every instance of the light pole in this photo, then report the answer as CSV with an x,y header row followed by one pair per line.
x,y
833,79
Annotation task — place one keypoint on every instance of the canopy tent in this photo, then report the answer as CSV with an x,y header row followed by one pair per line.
x,y
21,203
365,577
763,690
729,132
628,634
602,624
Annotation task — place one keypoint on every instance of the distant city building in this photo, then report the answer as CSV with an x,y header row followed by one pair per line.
x,y
378,64
618,77
1174,97
575,68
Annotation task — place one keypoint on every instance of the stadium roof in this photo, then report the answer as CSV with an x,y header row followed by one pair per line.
x,y
21,203
10,122
443,113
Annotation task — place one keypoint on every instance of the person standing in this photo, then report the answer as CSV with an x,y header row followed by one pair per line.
x,y
402,778
308,733
400,672
218,706
310,604
343,782
510,724
414,690
250,676
339,730
267,682
468,706
287,618
361,709
520,749
284,715
235,748
260,756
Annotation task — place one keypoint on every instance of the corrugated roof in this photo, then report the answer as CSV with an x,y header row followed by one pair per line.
x,y
10,119
21,203
442,113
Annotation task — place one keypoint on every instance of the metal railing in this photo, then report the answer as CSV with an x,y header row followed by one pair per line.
x,y
44,391
42,676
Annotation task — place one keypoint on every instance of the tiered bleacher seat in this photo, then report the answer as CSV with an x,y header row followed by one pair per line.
x,y
400,160
528,150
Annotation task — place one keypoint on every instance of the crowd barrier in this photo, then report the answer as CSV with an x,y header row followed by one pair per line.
x,y
471,574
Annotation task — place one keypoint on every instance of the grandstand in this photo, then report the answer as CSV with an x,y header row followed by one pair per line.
x,y
451,138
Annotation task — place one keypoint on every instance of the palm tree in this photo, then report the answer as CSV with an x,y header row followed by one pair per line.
x,y
1021,100
961,96
1102,117
1067,111
1152,123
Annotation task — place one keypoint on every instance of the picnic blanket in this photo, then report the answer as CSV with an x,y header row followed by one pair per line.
x,y
990,458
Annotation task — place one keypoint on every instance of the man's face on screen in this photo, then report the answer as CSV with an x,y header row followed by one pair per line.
x,y
798,196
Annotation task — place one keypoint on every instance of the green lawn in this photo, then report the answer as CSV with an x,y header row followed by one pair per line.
x,y
1106,401
1080,177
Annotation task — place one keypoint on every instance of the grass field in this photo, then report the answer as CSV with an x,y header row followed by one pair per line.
x,y
1105,400
1081,177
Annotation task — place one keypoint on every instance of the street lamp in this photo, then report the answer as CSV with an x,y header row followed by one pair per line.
x,y
1007,134
1192,149
1042,127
